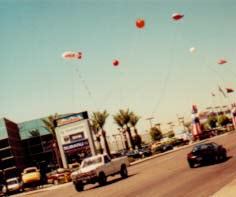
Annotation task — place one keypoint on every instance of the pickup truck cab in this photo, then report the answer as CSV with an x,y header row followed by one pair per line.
x,y
97,169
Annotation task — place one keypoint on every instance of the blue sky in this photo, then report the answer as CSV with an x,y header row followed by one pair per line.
x,y
157,75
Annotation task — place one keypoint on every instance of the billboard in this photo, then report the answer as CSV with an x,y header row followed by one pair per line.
x,y
74,136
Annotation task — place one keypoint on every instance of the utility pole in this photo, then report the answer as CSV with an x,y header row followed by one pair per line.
x,y
150,121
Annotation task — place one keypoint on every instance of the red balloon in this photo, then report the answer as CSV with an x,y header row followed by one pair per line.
x,y
79,55
222,61
115,62
140,23
177,16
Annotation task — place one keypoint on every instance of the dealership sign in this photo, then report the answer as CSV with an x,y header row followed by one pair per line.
x,y
72,118
76,146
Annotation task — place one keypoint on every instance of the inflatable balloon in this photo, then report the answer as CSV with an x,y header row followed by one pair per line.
x,y
68,55
192,49
177,16
72,55
140,23
115,63
79,55
222,61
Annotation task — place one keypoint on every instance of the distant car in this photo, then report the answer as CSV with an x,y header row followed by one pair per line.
x,y
74,166
58,176
206,153
134,154
204,135
14,185
145,152
160,148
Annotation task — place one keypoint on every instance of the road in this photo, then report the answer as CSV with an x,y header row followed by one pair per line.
x,y
168,175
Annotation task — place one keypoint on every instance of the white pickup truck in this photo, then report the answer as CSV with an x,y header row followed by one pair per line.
x,y
97,169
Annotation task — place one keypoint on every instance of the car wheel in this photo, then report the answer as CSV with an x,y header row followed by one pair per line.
x,y
79,187
123,172
56,182
216,158
224,156
191,164
102,179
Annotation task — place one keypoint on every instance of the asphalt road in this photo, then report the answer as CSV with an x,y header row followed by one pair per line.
x,y
168,175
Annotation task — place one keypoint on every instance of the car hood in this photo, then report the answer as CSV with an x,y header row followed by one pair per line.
x,y
89,168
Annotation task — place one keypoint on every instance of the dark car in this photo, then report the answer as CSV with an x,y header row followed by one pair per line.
x,y
206,153
162,148
145,151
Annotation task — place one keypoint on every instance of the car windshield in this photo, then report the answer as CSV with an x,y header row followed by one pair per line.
x,y
199,147
11,182
31,170
91,161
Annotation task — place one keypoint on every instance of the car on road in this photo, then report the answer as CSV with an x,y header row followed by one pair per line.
x,y
97,169
13,185
60,175
206,153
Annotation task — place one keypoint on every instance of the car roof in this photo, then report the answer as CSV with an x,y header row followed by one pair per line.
x,y
14,178
204,144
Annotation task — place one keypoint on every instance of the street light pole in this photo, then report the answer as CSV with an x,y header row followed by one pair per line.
x,y
150,121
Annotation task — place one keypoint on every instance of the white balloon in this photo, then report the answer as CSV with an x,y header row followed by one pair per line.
x,y
192,49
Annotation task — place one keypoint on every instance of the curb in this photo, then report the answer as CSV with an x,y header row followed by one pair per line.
x,y
228,190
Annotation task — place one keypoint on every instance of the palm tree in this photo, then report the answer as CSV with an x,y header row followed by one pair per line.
x,y
120,122
100,119
50,127
125,114
95,128
34,133
133,121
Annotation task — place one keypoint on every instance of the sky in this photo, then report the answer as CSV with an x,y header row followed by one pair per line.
x,y
157,75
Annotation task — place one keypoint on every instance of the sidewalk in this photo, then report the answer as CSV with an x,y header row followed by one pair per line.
x,y
227,191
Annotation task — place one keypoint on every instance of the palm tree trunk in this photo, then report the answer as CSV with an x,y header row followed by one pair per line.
x,y
138,139
125,140
57,153
130,137
100,149
106,143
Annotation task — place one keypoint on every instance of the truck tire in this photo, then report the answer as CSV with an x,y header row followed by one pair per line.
x,y
123,172
102,179
79,187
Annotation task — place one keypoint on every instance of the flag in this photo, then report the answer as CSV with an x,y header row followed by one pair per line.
x,y
194,109
222,91
229,90
233,104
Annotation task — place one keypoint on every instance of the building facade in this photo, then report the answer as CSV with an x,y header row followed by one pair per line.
x,y
12,154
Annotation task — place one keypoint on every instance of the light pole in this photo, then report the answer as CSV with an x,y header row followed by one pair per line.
x,y
115,135
150,121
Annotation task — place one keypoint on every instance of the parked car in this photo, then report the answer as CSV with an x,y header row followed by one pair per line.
x,y
60,175
145,151
74,166
13,185
206,153
31,177
204,135
162,147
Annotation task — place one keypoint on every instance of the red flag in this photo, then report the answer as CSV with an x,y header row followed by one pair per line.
x,y
194,109
229,90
